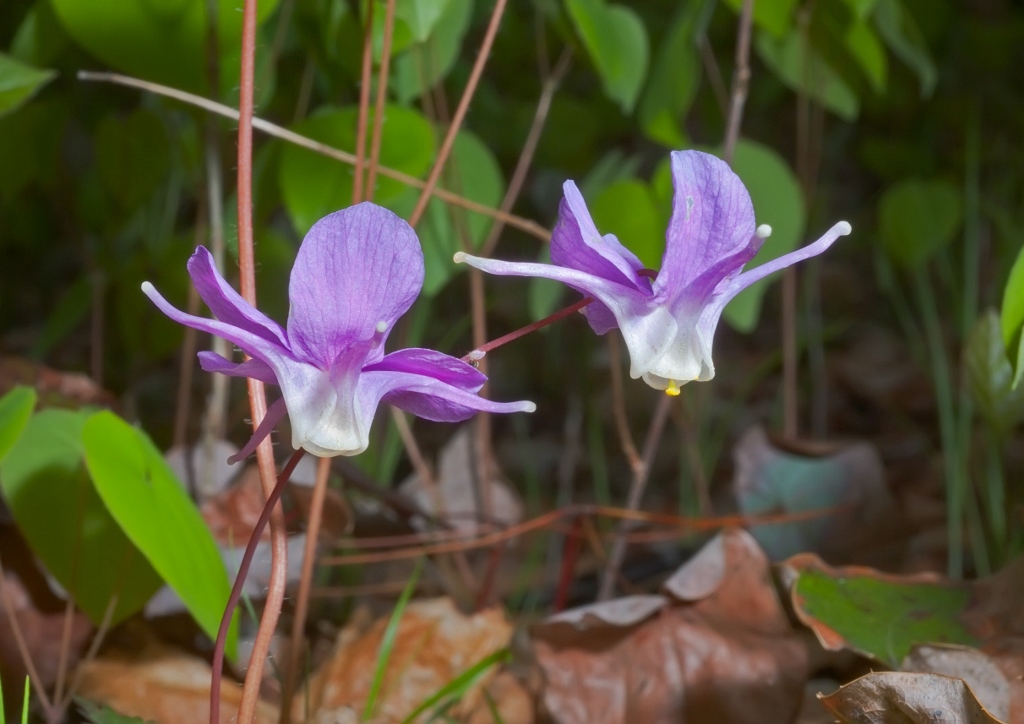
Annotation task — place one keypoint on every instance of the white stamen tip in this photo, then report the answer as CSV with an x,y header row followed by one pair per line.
x,y
763,231
843,228
529,407
382,327
146,287
476,355
460,256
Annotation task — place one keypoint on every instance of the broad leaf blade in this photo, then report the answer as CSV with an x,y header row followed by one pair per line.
x,y
15,410
19,82
616,40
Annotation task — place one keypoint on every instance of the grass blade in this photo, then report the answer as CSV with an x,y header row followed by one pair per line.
x,y
457,687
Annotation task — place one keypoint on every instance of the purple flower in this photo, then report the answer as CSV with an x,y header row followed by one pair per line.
x,y
357,271
669,322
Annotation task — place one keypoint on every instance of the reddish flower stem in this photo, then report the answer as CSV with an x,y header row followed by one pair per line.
x,y
236,589
483,349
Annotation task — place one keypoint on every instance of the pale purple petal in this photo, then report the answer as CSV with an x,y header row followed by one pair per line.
x,y
254,368
577,244
429,363
275,413
712,219
252,344
226,304
428,397
357,271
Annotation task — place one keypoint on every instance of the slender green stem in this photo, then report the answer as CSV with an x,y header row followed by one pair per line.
x,y
955,484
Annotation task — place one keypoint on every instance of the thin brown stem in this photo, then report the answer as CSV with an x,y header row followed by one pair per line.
x,y
740,80
364,105
478,354
619,406
526,225
183,401
96,327
460,112
636,491
298,639
26,656
714,73
378,111
540,116
257,395
94,647
65,649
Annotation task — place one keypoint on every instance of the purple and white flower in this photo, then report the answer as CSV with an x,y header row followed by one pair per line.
x,y
358,270
668,322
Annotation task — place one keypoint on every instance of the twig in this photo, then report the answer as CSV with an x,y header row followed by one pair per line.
x,y
740,80
298,639
65,649
460,112
378,111
257,396
94,647
26,657
636,491
619,406
364,105
478,354
271,129
710,63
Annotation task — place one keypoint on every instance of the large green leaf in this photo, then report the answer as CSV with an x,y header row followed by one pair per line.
x,y
47,488
616,41
425,64
19,82
627,209
131,155
990,376
866,48
674,79
40,38
917,218
314,185
808,70
1011,318
775,16
472,172
901,34
422,16
159,40
778,202
15,410
152,508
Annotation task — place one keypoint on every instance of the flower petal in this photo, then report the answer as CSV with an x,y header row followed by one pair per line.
x,y
357,271
275,356
712,220
577,244
252,367
226,304
429,397
429,363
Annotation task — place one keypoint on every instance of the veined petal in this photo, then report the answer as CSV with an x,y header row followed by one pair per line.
x,y
427,362
358,270
255,368
226,304
252,344
429,397
712,219
577,244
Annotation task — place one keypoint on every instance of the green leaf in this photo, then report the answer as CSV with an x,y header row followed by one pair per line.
x,y
314,186
674,80
131,156
30,143
159,40
15,410
904,38
864,45
19,82
455,689
879,617
40,38
616,40
627,209
421,16
990,376
471,172
786,59
152,508
917,218
47,488
1011,318
425,64
779,203
99,714
775,16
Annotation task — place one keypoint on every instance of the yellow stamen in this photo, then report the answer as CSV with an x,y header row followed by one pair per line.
x,y
673,389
